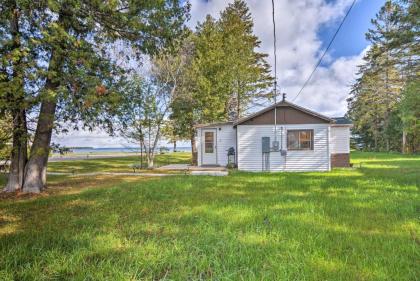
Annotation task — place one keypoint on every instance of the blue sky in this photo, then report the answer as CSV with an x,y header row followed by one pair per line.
x,y
304,28
351,39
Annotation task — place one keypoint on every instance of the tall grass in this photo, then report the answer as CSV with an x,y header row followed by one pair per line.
x,y
348,224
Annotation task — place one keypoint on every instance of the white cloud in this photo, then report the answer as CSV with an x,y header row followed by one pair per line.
x,y
298,50
96,138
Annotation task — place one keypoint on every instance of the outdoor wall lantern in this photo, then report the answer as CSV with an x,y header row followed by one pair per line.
x,y
231,157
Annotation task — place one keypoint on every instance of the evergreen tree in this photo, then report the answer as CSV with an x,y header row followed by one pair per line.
x,y
373,99
404,39
224,73
384,61
391,65
210,89
79,78
410,114
229,72
248,74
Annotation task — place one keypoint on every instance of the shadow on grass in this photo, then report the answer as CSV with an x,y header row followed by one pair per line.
x,y
350,224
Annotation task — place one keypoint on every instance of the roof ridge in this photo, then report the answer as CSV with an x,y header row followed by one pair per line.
x,y
308,111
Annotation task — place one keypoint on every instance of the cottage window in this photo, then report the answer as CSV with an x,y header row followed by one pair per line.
x,y
208,142
300,140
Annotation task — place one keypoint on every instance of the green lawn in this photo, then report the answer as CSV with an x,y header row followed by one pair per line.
x,y
116,164
348,224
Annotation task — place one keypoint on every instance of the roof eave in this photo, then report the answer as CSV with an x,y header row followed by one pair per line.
x,y
212,124
341,125
279,104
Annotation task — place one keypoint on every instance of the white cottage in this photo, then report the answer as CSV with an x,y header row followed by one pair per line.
x,y
282,137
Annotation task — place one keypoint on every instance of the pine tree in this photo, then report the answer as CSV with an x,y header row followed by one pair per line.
x,y
385,24
248,73
409,110
390,65
404,39
225,73
228,70
210,89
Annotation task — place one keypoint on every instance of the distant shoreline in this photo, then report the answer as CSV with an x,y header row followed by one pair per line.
x,y
85,156
113,150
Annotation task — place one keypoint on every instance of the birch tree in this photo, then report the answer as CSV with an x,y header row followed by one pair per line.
x,y
148,102
145,107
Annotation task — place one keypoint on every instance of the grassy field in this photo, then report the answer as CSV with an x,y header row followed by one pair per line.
x,y
348,224
115,164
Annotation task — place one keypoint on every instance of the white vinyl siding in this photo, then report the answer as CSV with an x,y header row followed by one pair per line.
x,y
225,138
340,140
198,144
250,155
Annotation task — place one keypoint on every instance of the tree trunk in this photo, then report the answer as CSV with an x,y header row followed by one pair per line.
x,y
19,134
150,158
36,168
404,142
174,145
141,155
193,142
238,103
193,149
386,135
375,136
19,154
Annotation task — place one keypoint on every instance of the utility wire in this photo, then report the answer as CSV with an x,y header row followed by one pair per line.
x,y
326,50
275,61
275,72
275,53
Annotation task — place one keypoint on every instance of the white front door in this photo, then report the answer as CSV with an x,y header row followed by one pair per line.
x,y
209,147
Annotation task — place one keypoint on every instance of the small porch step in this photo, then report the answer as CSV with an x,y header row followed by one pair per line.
x,y
187,167
210,173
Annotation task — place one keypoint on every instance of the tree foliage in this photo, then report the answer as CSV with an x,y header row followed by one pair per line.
x,y
378,102
409,112
57,61
228,71
223,74
5,137
143,112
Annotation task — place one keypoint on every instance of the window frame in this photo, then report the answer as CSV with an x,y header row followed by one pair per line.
x,y
207,142
299,141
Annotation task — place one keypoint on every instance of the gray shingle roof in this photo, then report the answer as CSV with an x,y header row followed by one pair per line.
x,y
342,121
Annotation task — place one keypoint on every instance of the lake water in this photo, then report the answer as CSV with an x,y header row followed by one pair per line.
x,y
98,150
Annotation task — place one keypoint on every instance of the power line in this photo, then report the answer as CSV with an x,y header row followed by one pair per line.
x,y
275,72
275,52
275,59
326,50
